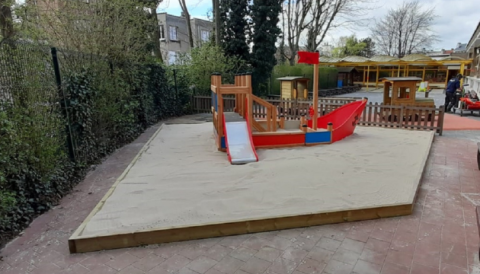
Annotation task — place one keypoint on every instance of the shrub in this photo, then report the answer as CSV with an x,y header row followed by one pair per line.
x,y
205,60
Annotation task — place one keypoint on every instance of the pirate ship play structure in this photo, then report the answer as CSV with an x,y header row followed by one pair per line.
x,y
239,132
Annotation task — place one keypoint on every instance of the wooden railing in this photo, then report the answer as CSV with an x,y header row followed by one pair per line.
x,y
269,112
376,115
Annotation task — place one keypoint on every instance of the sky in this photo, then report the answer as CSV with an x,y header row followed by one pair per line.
x,y
455,20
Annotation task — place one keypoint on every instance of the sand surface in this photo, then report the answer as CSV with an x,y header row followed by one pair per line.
x,y
181,180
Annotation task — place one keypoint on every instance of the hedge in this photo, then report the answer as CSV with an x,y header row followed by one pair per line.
x,y
327,76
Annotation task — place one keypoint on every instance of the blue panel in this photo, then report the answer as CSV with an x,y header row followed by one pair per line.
x,y
318,137
222,140
215,101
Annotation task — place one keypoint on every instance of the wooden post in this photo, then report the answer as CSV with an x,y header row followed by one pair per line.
x,y
315,96
282,121
218,84
363,80
238,97
368,76
462,71
423,75
376,81
248,82
446,78
313,59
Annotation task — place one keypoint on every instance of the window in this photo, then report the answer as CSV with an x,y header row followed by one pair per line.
x,y
173,33
172,57
162,32
205,35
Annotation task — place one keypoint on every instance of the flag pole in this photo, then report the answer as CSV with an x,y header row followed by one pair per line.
x,y
315,96
312,58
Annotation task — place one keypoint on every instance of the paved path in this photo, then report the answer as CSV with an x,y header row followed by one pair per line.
x,y
439,237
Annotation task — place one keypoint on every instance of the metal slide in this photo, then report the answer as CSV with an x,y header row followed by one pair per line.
x,y
238,139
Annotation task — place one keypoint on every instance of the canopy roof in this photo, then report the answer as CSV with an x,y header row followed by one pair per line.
x,y
385,59
292,78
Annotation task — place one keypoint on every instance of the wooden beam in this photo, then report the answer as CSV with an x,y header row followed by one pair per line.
x,y
234,90
159,236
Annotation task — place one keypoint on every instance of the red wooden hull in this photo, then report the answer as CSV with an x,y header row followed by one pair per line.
x,y
277,140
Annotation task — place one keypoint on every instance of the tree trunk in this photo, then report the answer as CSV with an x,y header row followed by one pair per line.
x,y
189,24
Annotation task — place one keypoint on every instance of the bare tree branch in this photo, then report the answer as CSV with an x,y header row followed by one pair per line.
x,y
404,30
313,19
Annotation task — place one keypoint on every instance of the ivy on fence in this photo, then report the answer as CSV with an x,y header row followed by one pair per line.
x,y
95,106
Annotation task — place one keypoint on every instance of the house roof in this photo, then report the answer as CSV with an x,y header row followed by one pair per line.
x,y
461,47
475,37
449,58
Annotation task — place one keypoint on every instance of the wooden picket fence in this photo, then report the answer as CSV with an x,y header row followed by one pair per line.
x,y
375,115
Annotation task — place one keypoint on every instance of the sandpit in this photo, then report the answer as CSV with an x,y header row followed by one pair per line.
x,y
180,187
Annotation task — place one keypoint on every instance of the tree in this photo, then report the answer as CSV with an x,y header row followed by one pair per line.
x,y
315,18
294,23
369,50
265,19
7,30
155,31
404,30
189,24
348,46
205,60
121,29
233,15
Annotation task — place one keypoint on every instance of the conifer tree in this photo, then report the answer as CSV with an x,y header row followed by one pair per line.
x,y
235,28
265,19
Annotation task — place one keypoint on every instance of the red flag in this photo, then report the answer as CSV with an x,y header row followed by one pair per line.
x,y
308,57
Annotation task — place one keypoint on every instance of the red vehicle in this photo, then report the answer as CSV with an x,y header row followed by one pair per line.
x,y
468,101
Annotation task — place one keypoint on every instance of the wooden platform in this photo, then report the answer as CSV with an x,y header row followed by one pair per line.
x,y
179,187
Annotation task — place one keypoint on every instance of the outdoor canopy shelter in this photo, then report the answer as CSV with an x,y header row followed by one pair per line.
x,y
371,70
